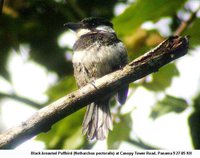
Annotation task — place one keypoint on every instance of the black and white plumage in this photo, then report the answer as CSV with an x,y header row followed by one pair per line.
x,y
97,52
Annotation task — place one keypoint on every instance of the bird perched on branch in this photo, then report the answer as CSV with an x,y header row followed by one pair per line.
x,y
97,52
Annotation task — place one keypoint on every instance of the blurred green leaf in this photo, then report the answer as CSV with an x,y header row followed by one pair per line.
x,y
66,134
162,79
3,61
141,11
75,141
141,41
120,132
194,123
168,104
61,88
194,32
197,103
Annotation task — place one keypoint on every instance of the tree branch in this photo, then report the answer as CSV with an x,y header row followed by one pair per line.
x,y
41,121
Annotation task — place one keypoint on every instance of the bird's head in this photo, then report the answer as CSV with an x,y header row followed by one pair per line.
x,y
90,25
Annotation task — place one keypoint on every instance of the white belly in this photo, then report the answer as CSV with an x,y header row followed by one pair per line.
x,y
108,55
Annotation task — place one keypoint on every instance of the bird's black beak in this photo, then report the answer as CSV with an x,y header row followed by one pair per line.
x,y
73,26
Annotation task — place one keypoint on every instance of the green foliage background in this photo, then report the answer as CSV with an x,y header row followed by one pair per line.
x,y
39,24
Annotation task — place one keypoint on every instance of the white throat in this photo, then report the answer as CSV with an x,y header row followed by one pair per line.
x,y
105,28
102,28
81,32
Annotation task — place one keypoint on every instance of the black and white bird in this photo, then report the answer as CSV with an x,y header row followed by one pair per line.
x,y
97,52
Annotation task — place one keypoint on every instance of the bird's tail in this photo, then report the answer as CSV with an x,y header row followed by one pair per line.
x,y
97,121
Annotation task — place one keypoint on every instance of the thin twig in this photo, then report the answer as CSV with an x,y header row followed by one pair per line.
x,y
142,145
41,121
22,99
185,24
